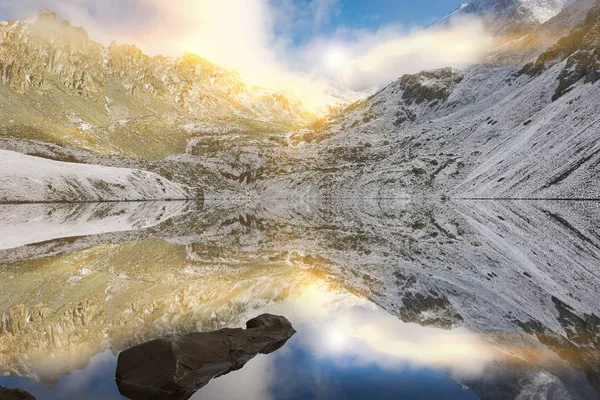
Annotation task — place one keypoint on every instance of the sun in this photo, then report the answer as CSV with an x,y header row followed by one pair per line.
x,y
335,59
336,339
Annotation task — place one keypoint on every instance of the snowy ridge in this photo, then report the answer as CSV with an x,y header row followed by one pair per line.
x,y
492,131
33,179
527,10
511,17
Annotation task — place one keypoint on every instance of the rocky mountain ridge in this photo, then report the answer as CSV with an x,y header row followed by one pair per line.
x,y
511,18
59,85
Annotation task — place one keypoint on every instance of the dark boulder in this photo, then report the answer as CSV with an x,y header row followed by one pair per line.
x,y
14,394
176,366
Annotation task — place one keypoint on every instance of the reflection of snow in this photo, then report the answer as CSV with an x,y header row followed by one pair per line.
x,y
33,223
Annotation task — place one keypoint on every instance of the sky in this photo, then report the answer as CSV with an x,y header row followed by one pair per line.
x,y
294,45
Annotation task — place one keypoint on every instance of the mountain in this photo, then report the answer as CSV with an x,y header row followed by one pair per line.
x,y
58,85
579,52
521,124
492,131
522,28
535,41
510,17
24,178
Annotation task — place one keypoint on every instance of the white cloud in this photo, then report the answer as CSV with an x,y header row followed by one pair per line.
x,y
380,57
256,36
322,11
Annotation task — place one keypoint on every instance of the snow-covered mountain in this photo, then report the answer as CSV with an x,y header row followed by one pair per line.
x,y
520,124
83,219
25,178
490,131
510,17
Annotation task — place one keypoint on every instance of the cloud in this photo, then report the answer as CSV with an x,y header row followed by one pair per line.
x,y
257,37
374,59
322,11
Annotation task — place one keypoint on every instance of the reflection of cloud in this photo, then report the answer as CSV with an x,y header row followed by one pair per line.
x,y
80,380
337,328
380,333
251,382
372,336
337,324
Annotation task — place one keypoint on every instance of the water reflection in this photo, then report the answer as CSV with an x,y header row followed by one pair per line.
x,y
34,223
496,297
174,367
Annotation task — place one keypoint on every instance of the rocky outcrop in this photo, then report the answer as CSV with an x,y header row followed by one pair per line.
x,y
580,49
14,394
175,367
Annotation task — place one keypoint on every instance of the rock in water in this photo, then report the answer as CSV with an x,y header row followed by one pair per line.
x,y
176,366
15,394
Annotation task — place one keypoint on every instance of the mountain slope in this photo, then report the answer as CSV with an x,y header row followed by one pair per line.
x,y
492,131
579,52
511,17
58,85
33,179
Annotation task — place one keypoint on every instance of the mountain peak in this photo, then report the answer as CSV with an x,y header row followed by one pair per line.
x,y
46,13
527,10
511,17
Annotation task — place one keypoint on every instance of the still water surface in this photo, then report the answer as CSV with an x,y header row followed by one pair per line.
x,y
395,299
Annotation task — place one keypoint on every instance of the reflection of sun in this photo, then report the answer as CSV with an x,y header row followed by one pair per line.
x,y
336,339
335,59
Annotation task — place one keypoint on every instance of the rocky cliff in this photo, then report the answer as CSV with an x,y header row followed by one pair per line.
x,y
59,85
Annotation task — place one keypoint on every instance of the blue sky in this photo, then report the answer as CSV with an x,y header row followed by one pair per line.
x,y
367,14
370,14
282,43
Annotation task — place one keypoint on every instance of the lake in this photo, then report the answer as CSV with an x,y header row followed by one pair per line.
x,y
390,298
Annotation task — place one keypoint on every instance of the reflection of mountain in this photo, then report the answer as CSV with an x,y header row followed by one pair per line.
x,y
521,273
494,267
71,220
75,305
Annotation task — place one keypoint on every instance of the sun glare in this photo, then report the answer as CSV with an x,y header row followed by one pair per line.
x,y
335,59
336,339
